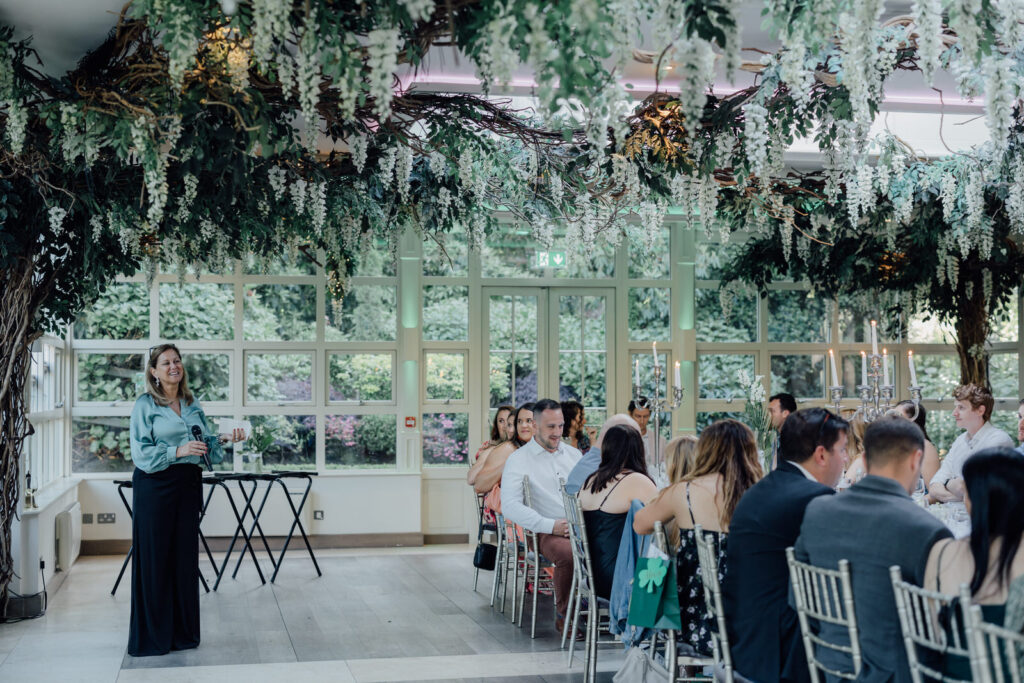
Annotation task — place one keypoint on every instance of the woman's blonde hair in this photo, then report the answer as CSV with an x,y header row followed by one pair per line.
x,y
679,458
855,434
153,389
728,448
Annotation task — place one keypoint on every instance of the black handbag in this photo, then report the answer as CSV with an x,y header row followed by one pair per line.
x,y
485,556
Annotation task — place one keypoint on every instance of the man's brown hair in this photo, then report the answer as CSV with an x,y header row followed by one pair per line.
x,y
976,396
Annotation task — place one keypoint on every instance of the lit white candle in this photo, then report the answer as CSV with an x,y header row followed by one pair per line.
x,y
654,352
913,370
874,338
638,374
863,368
885,367
679,377
832,360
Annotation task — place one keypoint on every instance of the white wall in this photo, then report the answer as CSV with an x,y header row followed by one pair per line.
x,y
33,537
354,503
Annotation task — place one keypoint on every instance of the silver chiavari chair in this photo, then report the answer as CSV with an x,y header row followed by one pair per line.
x,y
481,528
922,613
675,660
532,559
596,608
707,556
997,653
825,596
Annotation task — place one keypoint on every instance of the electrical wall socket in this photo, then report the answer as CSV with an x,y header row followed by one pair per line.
x,y
318,514
86,518
105,518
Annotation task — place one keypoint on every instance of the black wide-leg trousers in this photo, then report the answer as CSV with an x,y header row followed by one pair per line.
x,y
165,566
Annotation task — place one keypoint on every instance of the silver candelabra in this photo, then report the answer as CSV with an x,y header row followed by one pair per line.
x,y
657,404
875,397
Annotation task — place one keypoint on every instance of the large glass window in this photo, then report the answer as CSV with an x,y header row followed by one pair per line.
x,y
280,313
204,311
121,312
445,438
366,314
360,441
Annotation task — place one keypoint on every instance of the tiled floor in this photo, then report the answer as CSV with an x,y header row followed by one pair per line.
x,y
375,615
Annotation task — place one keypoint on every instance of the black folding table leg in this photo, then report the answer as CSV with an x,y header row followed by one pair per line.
x,y
297,522
121,486
248,536
256,526
239,529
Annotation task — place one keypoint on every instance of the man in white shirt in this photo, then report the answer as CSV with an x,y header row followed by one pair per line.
x,y
546,460
972,410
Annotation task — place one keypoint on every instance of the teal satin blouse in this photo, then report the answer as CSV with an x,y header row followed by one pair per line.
x,y
157,431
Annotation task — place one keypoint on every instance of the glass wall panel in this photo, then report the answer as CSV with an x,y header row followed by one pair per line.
x,y
361,376
513,350
509,253
714,326
1005,324
279,376
295,264
446,254
799,374
706,418
280,313
795,316
294,441
718,375
445,376
367,313
120,312
445,438
204,311
100,444
937,375
1003,375
360,441
378,260
108,377
650,314
445,313
925,330
209,375
653,262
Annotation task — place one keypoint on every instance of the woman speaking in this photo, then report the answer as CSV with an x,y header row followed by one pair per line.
x,y
166,504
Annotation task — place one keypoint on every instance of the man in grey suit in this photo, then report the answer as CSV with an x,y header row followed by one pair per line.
x,y
874,525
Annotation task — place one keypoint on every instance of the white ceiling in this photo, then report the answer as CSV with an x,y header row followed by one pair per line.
x,y
64,30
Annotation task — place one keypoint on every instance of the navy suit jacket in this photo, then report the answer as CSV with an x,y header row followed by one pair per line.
x,y
764,634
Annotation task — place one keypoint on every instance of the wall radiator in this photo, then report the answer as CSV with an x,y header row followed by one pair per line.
x,y
69,536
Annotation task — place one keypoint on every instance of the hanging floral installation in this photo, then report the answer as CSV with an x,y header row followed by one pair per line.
x,y
202,131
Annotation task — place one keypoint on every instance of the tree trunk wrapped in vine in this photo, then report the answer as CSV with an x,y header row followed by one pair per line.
x,y
18,298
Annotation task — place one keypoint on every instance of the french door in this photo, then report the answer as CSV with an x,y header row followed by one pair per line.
x,y
549,342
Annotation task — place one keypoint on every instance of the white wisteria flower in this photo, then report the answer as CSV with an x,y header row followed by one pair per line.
x,y
382,59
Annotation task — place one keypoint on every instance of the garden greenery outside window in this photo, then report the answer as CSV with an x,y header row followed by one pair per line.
x,y
265,342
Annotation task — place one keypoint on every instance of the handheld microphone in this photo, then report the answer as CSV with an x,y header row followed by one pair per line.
x,y
197,434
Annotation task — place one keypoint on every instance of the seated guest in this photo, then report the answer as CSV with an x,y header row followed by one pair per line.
x,y
492,463
882,527
780,406
854,453
575,421
680,457
972,410
763,629
546,460
727,465
499,435
589,463
640,410
990,560
930,465
606,497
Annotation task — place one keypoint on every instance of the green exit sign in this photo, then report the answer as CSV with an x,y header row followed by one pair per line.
x,y
550,259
